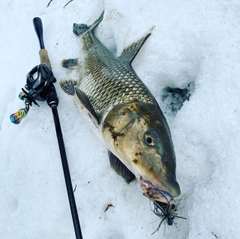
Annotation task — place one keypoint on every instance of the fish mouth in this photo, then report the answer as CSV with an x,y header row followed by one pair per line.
x,y
154,192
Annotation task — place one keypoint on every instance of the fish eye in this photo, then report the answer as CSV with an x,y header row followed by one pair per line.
x,y
151,138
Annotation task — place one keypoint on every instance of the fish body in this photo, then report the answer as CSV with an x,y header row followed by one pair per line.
x,y
124,114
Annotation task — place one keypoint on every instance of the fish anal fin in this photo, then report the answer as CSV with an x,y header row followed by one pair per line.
x,y
81,96
70,63
120,168
130,52
68,86
80,29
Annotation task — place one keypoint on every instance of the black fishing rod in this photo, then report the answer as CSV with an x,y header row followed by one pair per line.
x,y
39,87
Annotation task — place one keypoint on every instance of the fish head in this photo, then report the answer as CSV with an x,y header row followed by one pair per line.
x,y
139,136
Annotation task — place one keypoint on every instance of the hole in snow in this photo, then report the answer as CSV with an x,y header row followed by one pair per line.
x,y
174,98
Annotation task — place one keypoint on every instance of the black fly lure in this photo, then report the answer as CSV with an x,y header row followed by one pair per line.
x,y
167,212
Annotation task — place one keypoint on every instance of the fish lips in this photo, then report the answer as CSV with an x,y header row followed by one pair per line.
x,y
154,192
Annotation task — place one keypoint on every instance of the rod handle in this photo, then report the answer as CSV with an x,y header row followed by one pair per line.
x,y
38,26
44,59
37,23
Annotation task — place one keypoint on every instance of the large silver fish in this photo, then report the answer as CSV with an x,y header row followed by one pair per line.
x,y
124,114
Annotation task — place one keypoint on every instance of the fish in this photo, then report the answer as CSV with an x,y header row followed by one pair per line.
x,y
123,113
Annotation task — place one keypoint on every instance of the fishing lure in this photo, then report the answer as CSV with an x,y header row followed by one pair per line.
x,y
167,213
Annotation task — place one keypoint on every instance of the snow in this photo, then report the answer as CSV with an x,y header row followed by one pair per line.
x,y
192,41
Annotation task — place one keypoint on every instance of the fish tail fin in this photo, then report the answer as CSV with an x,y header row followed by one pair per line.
x,y
80,29
130,52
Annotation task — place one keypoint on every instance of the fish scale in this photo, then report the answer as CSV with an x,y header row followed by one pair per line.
x,y
115,80
106,77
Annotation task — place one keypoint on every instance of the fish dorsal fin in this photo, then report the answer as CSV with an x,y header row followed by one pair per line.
x,y
79,29
120,168
132,50
68,86
87,105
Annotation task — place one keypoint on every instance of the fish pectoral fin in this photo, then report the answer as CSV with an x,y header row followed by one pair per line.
x,y
120,168
80,29
71,63
68,86
87,105
132,50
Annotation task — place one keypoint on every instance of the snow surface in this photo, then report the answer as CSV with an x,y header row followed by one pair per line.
x,y
192,41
